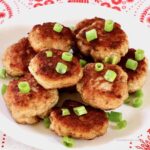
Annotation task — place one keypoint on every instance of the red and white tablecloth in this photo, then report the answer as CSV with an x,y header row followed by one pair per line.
x,y
9,8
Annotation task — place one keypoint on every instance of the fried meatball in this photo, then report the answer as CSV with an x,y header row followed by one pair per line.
x,y
17,57
87,126
106,44
28,108
44,37
100,93
43,69
135,78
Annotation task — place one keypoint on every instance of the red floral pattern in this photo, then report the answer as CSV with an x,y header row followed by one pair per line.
x,y
143,143
145,16
78,1
7,11
3,140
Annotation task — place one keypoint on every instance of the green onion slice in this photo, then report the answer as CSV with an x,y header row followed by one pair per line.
x,y
99,67
2,73
139,93
79,111
3,89
58,27
128,100
114,116
67,56
131,64
24,87
83,62
49,53
61,68
110,75
107,60
65,112
139,55
46,122
68,141
135,99
137,102
113,59
108,26
122,124
91,35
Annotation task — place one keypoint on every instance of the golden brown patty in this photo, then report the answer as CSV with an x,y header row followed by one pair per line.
x,y
27,108
43,69
98,92
135,78
17,57
44,37
88,126
107,43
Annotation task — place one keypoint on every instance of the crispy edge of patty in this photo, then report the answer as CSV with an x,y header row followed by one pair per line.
x,y
42,36
98,92
28,108
17,56
43,70
104,45
136,79
88,126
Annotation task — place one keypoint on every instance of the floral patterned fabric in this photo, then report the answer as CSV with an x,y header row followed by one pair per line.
x,y
138,8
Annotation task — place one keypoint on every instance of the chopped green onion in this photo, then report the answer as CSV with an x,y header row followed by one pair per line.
x,y
107,59
49,53
81,110
3,89
61,68
91,35
83,62
99,67
46,122
139,55
114,116
131,64
24,87
122,124
137,102
68,142
67,56
113,59
128,100
135,99
138,93
58,27
65,112
110,75
108,26
2,73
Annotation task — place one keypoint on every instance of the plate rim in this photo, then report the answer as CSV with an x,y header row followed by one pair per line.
x,y
6,120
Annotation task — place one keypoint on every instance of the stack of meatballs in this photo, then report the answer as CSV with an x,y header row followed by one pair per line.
x,y
92,57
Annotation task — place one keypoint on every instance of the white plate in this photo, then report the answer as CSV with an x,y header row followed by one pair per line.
x,y
69,14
